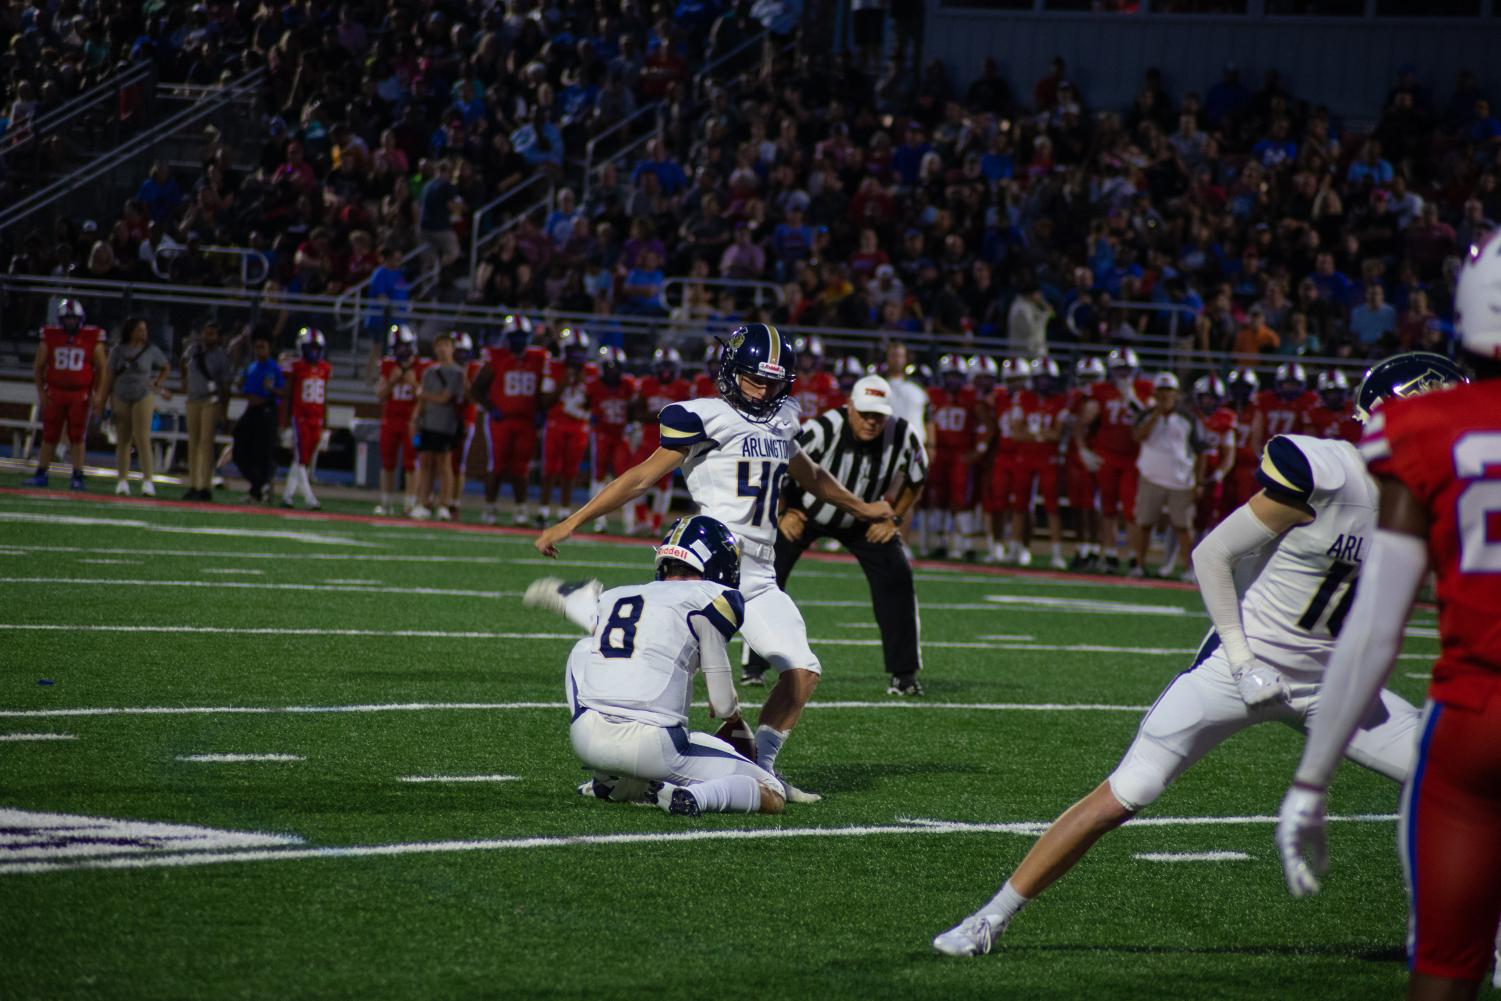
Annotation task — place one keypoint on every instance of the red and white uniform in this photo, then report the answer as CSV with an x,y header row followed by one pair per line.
x,y
1222,429
396,412
1241,483
1326,423
611,407
1113,441
511,430
307,389
948,476
1281,416
815,393
468,415
69,373
566,438
1037,461
1004,466
1445,447
703,388
1081,481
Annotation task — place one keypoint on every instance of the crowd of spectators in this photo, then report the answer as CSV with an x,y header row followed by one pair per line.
x,y
1239,218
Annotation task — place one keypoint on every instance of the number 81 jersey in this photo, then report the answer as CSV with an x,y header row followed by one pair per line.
x,y
640,659
1293,610
734,468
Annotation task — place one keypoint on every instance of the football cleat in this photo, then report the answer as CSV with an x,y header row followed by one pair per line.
x,y
754,678
904,685
38,480
380,509
487,516
519,519
122,488
418,513
681,802
76,482
551,593
148,488
974,936
796,795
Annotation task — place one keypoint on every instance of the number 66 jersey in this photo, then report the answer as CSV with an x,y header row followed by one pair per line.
x,y
1293,610
734,468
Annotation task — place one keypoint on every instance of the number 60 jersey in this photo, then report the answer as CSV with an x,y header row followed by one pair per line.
x,y
1293,610
734,468
640,658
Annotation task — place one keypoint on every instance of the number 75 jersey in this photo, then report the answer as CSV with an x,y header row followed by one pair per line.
x,y
1445,447
734,468
1293,610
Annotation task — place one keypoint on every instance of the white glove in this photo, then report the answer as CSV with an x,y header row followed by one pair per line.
x,y
1300,840
1090,460
1260,685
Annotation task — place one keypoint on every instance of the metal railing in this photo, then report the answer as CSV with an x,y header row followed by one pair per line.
x,y
349,307
590,148
96,98
1172,343
255,266
131,148
640,334
760,289
480,237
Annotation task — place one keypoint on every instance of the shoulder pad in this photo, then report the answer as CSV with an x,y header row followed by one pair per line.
x,y
1300,465
726,612
682,427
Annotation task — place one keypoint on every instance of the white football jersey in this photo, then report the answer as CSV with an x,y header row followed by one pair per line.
x,y
1293,610
734,468
641,656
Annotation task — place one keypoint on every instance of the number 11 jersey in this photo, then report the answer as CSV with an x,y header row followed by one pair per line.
x,y
734,468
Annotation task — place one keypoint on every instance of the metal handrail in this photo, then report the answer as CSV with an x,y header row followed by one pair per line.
x,y
589,168
348,307
476,220
133,147
49,122
703,74
648,330
730,283
245,254
1174,309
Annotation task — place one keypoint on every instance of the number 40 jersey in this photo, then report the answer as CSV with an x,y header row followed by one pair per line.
x,y
1293,610
640,658
734,468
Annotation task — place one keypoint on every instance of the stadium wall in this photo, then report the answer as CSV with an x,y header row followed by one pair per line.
x,y
1347,63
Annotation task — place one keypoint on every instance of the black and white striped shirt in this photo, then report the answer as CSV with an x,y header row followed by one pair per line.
x,y
869,470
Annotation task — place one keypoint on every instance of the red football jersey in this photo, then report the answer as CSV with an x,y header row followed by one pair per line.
x,y
1118,413
70,360
1279,416
572,402
1223,434
517,380
1244,456
1039,415
1445,447
611,405
398,406
468,409
656,394
1326,423
953,416
1001,414
815,393
307,386
703,387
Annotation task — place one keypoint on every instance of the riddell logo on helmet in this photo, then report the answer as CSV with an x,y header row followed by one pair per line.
x,y
676,553
766,368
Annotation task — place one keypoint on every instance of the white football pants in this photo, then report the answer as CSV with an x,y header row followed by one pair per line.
x,y
618,747
773,626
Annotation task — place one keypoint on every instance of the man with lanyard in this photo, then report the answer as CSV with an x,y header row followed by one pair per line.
x,y
255,432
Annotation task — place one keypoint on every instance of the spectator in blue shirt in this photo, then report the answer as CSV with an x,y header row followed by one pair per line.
x,y
641,293
791,241
256,430
1369,168
1333,286
1276,149
161,194
539,142
1483,125
1374,320
906,160
669,174
388,294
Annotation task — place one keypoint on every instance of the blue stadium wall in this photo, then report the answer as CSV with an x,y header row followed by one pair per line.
x,y
1347,63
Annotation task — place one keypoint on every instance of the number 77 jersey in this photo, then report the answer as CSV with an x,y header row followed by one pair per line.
x,y
1445,447
1293,610
734,468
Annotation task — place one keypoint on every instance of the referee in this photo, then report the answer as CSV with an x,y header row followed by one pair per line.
x,y
873,455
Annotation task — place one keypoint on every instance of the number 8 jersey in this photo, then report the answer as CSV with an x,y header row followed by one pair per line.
x,y
639,661
734,468
1293,609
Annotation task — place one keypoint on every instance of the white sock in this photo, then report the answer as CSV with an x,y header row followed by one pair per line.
x,y
731,794
385,500
289,489
768,746
307,487
1057,550
1004,905
545,512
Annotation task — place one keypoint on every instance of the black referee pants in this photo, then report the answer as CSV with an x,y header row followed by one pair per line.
x,y
891,589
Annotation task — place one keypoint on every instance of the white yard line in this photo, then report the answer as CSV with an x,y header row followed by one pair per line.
x,y
19,737
459,778
240,571
1191,856
901,828
354,581
79,521
439,592
381,707
235,759
110,562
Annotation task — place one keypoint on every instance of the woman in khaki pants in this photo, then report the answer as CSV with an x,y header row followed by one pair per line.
x,y
134,377
206,378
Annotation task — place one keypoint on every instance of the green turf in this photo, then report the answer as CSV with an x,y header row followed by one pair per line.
x,y
839,916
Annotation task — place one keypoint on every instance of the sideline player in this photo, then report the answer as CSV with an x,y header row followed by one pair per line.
x,y
1043,412
664,385
1108,448
1240,484
734,450
1297,547
1285,408
400,375
508,387
1089,371
1334,417
1219,422
630,681
463,357
307,391
69,362
565,397
1437,459
611,399
952,404
816,389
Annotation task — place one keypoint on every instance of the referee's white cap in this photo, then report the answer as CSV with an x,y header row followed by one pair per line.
x,y
872,395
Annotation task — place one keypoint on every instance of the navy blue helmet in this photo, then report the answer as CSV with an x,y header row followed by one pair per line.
x,y
1408,374
761,352
706,545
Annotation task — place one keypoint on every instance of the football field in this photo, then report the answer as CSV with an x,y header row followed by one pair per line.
x,y
253,755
